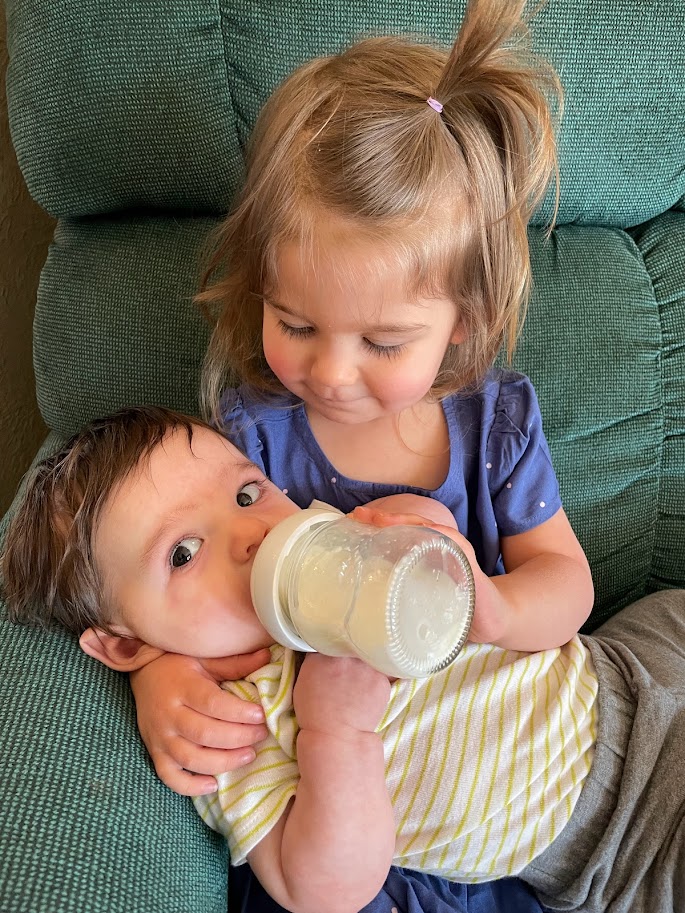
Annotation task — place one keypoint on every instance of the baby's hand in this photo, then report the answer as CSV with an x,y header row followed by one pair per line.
x,y
336,692
192,728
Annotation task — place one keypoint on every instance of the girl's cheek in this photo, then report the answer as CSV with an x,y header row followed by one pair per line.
x,y
410,383
277,358
274,348
404,371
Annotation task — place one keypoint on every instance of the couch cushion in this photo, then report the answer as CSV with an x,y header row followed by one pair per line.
x,y
592,345
661,244
85,761
115,323
150,104
130,105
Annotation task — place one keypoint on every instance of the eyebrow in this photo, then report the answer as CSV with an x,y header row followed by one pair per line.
x,y
172,519
246,465
377,328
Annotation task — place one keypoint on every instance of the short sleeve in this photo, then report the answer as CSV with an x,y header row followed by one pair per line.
x,y
240,428
251,799
523,485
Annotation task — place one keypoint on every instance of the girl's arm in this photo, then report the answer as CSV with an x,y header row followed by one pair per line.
x,y
547,592
190,727
333,847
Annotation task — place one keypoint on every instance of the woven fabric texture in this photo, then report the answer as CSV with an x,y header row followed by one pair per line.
x,y
592,345
115,322
151,104
661,243
80,799
130,105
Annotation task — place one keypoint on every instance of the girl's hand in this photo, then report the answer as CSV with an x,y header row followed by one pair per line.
x,y
543,598
490,614
192,728
333,693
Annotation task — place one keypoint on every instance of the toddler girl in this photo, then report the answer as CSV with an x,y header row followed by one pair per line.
x,y
376,261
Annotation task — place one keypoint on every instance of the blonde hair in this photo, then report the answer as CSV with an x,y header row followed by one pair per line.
x,y
450,194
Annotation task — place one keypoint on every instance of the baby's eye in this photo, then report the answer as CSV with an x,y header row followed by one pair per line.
x,y
184,552
248,494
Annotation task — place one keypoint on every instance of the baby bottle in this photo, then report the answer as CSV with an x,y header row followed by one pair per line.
x,y
400,597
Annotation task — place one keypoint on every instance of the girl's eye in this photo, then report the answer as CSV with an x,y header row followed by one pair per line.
x,y
248,494
294,332
184,552
383,351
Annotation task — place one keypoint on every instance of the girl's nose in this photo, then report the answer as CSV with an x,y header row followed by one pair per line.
x,y
333,367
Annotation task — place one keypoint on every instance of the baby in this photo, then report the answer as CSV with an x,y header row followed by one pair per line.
x,y
139,537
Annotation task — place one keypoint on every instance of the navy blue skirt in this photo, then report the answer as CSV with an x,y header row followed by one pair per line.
x,y
404,892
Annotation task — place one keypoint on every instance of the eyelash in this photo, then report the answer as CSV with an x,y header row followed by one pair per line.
x,y
294,332
374,348
383,351
262,485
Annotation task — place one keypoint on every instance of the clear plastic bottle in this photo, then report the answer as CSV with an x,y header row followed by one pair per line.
x,y
399,597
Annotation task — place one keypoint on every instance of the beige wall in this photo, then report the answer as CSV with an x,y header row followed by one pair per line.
x,y
25,231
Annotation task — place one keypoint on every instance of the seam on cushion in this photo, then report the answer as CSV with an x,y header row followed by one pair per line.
x,y
660,474
227,74
229,84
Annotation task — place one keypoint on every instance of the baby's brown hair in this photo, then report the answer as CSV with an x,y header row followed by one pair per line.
x,y
49,575
446,195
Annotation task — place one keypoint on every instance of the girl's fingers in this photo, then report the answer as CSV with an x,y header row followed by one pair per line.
x,y
182,782
196,759
193,776
209,732
232,668
382,518
207,699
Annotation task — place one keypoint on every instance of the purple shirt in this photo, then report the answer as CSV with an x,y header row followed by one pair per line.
x,y
500,480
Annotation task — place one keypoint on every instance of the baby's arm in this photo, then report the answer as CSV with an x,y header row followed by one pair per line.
x,y
333,847
543,598
191,728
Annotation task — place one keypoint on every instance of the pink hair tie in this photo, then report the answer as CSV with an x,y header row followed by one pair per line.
x,y
435,104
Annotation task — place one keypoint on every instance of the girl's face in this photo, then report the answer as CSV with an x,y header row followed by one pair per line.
x,y
343,334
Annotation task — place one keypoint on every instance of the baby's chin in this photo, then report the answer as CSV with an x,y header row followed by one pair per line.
x,y
264,642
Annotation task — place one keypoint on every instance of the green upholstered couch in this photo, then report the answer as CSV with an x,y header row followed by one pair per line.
x,y
130,120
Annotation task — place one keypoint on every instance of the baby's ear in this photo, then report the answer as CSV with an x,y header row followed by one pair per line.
x,y
123,654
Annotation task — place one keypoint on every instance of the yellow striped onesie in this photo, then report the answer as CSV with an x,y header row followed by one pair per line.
x,y
484,761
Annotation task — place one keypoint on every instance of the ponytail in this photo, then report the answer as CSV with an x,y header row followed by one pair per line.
x,y
495,89
494,94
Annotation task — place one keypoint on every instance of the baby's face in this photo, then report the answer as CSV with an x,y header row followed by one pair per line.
x,y
176,542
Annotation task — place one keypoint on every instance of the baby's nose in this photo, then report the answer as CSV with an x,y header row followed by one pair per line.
x,y
247,540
